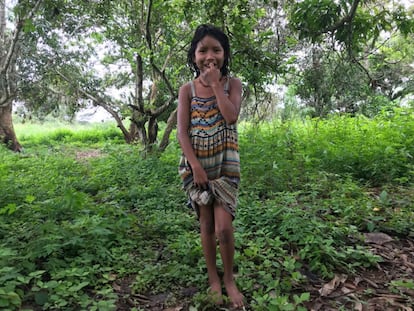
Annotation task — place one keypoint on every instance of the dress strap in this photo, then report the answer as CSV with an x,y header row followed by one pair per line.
x,y
192,89
226,85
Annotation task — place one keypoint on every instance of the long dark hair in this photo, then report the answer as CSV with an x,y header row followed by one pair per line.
x,y
216,33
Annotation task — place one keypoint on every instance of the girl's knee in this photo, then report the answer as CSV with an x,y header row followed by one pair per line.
x,y
224,235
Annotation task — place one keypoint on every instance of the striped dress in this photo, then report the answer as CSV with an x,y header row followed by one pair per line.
x,y
215,144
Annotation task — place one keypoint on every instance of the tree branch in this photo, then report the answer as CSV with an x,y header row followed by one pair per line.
x,y
165,79
346,19
139,84
98,101
156,112
19,27
161,73
8,62
147,26
2,20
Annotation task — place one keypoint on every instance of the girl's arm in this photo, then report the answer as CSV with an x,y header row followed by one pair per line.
x,y
183,123
229,105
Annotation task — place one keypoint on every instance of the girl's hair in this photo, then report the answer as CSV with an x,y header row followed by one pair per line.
x,y
216,33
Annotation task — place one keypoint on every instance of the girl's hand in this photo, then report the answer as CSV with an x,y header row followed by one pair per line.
x,y
200,178
212,75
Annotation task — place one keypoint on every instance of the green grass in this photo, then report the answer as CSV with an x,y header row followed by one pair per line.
x,y
49,133
71,228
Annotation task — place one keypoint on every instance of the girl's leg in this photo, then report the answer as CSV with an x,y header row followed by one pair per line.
x,y
225,234
209,244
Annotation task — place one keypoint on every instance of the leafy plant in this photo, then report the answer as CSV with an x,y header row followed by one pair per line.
x,y
72,227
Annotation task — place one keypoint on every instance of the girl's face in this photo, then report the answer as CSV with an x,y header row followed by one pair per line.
x,y
209,52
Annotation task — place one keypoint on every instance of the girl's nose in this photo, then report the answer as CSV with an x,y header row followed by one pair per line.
x,y
210,56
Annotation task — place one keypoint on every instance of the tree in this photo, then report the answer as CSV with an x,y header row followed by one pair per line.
x,y
8,72
391,67
348,36
52,70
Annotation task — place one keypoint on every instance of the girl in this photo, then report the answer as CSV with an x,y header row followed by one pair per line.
x,y
208,109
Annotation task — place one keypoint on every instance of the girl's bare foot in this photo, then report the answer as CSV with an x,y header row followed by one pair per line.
x,y
216,293
236,298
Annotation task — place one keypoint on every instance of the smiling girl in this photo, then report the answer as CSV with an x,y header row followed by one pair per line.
x,y
208,109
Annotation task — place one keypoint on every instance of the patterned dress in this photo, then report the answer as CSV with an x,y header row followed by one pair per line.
x,y
215,144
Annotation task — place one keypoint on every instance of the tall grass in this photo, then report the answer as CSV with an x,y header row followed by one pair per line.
x,y
285,156
50,133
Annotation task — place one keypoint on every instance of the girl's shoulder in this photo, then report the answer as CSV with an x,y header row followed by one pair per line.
x,y
186,86
186,90
234,80
234,83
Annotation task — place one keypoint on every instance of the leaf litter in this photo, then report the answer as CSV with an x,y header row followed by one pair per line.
x,y
387,287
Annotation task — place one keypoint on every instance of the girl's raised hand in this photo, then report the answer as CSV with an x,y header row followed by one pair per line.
x,y
212,75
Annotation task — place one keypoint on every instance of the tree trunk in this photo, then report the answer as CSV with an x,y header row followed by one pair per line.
x,y
152,130
137,130
8,54
171,123
7,134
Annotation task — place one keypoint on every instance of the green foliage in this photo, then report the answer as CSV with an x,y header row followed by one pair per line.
x,y
50,134
72,227
312,17
355,61
373,151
